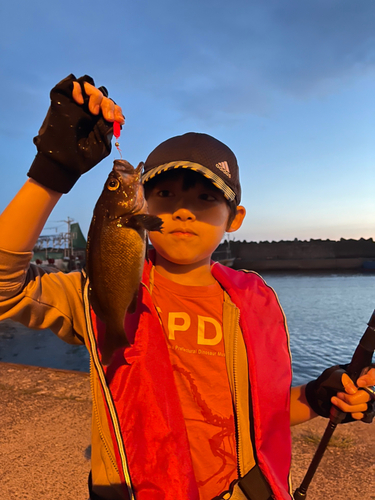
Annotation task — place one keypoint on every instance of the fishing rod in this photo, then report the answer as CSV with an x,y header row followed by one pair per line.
x,y
362,358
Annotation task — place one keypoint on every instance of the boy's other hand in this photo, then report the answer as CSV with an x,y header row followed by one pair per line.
x,y
76,133
354,400
334,386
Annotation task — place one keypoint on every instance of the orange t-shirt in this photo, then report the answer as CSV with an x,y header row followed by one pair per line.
x,y
192,321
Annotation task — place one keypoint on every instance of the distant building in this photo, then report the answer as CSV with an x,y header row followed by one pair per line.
x,y
65,251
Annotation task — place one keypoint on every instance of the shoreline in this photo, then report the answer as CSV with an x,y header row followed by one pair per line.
x,y
333,265
300,255
45,441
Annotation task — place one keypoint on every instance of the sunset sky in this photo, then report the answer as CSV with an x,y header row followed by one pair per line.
x,y
287,85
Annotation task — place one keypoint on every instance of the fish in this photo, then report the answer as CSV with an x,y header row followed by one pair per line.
x,y
116,251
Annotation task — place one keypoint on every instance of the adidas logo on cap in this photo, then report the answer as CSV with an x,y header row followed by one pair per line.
x,y
223,166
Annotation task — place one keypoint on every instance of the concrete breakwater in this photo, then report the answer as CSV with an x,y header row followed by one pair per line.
x,y
299,255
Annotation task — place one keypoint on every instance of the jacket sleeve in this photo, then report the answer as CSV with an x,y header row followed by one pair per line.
x,y
38,299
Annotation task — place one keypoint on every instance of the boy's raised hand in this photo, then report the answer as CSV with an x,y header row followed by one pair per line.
x,y
76,133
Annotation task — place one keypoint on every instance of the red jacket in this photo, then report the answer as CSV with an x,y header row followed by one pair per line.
x,y
143,408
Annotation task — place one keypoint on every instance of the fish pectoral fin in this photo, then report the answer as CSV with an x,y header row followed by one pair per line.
x,y
146,221
147,250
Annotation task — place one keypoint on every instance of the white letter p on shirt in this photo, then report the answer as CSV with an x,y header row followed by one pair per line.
x,y
173,326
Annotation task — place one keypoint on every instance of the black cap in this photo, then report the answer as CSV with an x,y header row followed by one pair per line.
x,y
199,152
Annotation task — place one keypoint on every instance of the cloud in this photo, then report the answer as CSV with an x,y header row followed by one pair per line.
x,y
210,61
237,57
319,41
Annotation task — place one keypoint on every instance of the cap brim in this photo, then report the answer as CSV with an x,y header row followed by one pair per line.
x,y
196,167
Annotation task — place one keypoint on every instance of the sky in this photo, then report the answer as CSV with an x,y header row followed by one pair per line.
x,y
287,85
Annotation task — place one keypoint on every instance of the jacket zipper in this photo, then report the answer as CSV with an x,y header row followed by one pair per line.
x,y
235,383
98,421
107,395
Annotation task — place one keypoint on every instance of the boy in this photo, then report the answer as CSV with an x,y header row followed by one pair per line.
x,y
202,396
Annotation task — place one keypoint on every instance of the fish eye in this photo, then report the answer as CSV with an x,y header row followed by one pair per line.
x,y
113,184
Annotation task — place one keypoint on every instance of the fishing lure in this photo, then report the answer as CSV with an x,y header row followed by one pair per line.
x,y
116,133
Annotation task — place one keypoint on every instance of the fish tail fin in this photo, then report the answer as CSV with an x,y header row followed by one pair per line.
x,y
114,339
133,304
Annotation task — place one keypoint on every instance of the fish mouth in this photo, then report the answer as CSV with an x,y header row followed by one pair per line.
x,y
123,166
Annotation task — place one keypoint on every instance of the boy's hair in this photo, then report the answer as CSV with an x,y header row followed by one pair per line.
x,y
189,179
201,153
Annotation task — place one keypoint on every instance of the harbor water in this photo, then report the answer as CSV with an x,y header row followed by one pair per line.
x,y
326,316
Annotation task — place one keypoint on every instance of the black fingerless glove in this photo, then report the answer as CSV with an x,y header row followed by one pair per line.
x,y
320,391
369,414
71,140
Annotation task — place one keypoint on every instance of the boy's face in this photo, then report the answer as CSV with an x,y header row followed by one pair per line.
x,y
195,219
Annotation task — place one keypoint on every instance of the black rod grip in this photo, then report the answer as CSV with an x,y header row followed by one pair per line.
x,y
362,356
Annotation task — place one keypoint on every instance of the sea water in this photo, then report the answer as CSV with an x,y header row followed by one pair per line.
x,y
326,316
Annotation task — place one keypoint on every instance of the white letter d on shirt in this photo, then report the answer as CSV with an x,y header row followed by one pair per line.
x,y
202,340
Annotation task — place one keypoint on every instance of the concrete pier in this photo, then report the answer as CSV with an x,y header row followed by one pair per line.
x,y
45,417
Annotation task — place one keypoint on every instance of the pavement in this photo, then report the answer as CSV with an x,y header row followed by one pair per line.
x,y
45,419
